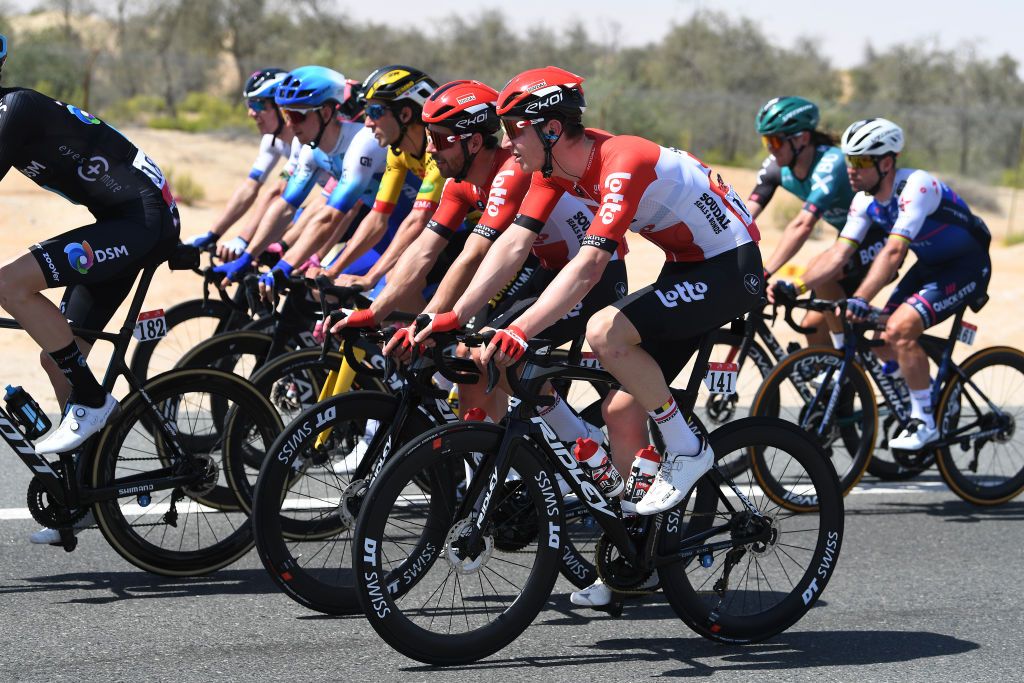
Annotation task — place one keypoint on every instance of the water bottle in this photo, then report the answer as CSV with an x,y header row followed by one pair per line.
x,y
26,412
641,476
595,462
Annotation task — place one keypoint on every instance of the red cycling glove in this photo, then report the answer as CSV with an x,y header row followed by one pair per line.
x,y
511,341
445,322
361,318
404,337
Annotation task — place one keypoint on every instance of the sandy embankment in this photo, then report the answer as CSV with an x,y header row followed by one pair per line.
x,y
29,214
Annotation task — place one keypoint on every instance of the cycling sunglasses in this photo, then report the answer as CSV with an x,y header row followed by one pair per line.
x,y
257,104
297,116
861,161
775,141
442,140
514,129
376,111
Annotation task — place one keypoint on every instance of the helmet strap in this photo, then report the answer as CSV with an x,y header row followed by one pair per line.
x,y
280,119
795,151
323,126
881,176
467,162
549,142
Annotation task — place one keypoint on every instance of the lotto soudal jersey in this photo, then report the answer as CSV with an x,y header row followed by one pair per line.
x,y
667,195
826,190
72,153
492,207
926,213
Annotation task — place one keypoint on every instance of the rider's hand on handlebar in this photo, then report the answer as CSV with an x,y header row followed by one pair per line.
x,y
507,347
782,292
346,280
857,309
400,345
203,241
234,270
232,249
439,322
275,280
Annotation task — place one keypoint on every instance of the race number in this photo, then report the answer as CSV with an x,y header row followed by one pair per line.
x,y
967,333
721,378
151,325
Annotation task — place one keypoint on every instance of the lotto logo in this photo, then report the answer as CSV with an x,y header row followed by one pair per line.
x,y
683,291
612,201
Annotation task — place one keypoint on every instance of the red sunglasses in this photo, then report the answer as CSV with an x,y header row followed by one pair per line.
x,y
297,116
514,129
441,141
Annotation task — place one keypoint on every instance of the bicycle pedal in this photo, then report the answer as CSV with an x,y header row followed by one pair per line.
x,y
68,540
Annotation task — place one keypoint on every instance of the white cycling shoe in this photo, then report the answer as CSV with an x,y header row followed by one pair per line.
x,y
79,423
598,594
47,536
676,477
915,437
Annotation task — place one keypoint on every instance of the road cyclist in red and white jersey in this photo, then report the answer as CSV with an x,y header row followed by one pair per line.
x,y
712,275
483,176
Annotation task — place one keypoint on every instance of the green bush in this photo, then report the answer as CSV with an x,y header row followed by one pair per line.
x,y
185,189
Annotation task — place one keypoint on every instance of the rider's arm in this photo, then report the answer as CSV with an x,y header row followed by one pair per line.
x,y
458,277
567,289
272,226
768,180
826,266
16,125
883,268
499,266
408,231
794,237
245,194
318,228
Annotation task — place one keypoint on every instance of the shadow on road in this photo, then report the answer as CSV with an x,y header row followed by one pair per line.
x,y
131,585
698,657
951,510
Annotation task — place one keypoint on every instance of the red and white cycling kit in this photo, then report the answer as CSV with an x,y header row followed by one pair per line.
x,y
713,267
667,195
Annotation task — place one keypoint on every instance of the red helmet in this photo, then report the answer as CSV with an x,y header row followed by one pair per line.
x,y
542,92
465,106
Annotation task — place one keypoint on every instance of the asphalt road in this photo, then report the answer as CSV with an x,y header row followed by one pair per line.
x,y
927,588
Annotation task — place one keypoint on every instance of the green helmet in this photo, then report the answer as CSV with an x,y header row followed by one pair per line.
x,y
786,116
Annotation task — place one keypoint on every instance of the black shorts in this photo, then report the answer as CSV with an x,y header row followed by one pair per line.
x,y
98,263
610,288
689,299
937,292
860,261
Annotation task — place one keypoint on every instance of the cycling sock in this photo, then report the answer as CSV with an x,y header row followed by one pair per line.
x,y
560,417
921,406
679,438
72,363
838,339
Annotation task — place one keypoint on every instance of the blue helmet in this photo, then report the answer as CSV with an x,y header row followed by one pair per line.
x,y
3,50
263,83
312,86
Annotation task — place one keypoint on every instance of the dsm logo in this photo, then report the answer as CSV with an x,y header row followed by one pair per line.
x,y
82,257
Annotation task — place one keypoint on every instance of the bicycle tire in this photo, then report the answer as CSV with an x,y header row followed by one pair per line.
x,y
855,426
381,589
220,537
304,374
178,319
728,616
309,559
961,470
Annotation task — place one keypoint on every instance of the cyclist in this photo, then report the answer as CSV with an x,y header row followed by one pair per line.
x,y
394,97
277,142
462,125
314,99
806,162
923,215
71,152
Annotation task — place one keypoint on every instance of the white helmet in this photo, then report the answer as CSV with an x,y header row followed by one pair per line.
x,y
874,137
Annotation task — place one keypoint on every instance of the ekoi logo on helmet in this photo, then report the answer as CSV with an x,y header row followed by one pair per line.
x,y
80,256
544,103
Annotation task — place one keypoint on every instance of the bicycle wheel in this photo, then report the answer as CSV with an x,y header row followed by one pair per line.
x,y
424,591
188,323
791,392
755,590
307,498
987,466
178,531
291,383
